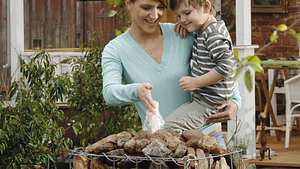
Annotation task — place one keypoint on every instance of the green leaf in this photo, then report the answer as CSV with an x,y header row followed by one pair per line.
x,y
254,59
248,80
292,32
282,28
256,67
236,54
76,128
50,158
13,89
255,63
274,37
112,13
118,32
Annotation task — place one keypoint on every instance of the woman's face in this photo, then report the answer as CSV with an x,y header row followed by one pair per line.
x,y
191,18
145,14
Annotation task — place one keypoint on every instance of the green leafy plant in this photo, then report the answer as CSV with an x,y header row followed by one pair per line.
x,y
30,131
118,9
248,66
252,63
92,118
84,95
283,28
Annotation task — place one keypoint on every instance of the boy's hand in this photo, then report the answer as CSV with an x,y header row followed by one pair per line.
x,y
188,83
182,32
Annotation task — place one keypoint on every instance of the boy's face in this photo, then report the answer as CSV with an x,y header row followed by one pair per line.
x,y
191,18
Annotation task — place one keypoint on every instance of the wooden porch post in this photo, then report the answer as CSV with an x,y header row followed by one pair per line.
x,y
15,38
246,113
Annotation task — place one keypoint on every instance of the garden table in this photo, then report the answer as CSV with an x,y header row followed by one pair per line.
x,y
276,66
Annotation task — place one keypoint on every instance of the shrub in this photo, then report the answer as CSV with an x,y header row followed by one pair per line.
x,y
30,133
92,118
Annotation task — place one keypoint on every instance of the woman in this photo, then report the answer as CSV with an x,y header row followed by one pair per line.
x,y
149,56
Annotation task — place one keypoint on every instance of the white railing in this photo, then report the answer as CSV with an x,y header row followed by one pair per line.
x,y
57,58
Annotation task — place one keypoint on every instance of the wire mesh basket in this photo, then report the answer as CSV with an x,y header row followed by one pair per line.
x,y
233,160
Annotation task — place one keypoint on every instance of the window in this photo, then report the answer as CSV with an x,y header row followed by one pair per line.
x,y
269,6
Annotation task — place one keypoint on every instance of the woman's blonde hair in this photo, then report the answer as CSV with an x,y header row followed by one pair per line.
x,y
164,2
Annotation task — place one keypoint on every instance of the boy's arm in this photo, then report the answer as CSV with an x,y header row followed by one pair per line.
x,y
189,83
212,77
220,50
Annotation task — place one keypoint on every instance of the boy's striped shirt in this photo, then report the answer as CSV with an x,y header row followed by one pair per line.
x,y
212,49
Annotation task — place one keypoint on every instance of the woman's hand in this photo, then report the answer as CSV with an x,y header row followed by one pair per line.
x,y
144,94
228,113
182,32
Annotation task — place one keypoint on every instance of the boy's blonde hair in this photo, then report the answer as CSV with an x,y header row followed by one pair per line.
x,y
195,3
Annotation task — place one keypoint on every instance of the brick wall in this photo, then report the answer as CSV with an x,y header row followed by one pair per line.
x,y
262,27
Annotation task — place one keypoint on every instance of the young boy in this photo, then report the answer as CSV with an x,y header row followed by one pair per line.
x,y
211,81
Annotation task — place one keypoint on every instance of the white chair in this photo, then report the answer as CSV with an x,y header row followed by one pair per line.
x,y
292,96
